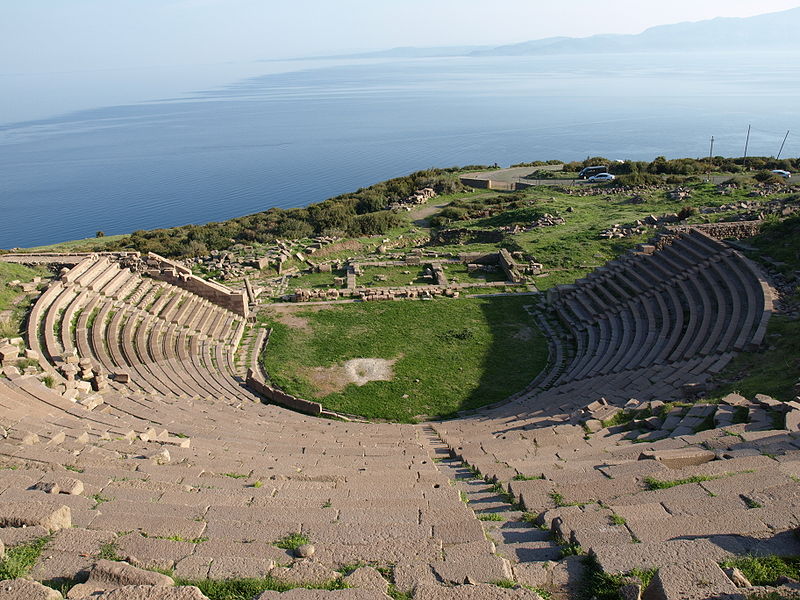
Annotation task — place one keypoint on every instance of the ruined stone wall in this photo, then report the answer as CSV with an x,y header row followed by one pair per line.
x,y
180,276
510,267
256,383
726,230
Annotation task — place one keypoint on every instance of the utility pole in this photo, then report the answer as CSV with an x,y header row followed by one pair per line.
x,y
782,144
711,152
746,144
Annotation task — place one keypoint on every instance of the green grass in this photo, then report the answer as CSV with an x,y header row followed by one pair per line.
x,y
314,280
521,477
490,517
20,559
108,551
396,594
505,495
617,520
247,589
291,542
765,570
772,372
657,484
92,244
575,247
98,500
10,272
451,354
394,277
508,584
603,586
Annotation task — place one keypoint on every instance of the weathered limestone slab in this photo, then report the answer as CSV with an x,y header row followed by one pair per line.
x,y
108,575
677,459
304,571
24,589
473,592
458,568
303,594
367,578
696,580
146,592
26,514
653,555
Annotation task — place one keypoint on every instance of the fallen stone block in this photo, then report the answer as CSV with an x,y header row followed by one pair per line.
x,y
680,457
24,589
108,575
48,487
148,592
26,514
304,572
697,580
70,486
793,420
367,578
8,352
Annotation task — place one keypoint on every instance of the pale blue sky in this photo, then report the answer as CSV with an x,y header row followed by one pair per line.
x,y
39,36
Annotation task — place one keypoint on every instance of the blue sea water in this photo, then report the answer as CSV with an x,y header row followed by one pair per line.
x,y
311,131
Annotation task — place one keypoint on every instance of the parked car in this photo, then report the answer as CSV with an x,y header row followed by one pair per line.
x,y
601,177
591,171
782,173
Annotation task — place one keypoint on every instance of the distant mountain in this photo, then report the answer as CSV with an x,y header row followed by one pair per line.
x,y
773,31
409,52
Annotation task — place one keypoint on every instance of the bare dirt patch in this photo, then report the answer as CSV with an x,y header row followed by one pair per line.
x,y
289,317
360,371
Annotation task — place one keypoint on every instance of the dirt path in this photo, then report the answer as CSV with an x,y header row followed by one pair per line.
x,y
421,215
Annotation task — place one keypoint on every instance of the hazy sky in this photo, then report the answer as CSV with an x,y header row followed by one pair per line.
x,y
64,35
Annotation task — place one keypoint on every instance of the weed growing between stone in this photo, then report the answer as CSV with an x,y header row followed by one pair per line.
x,y
20,559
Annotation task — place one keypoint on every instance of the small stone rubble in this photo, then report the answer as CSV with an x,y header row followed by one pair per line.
x,y
417,198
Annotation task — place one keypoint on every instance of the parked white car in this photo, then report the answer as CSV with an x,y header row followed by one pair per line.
x,y
601,177
782,173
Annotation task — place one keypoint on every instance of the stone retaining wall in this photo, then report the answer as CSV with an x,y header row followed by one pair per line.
x,y
180,276
256,383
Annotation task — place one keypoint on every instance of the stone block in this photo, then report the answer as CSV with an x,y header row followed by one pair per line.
x,y
793,420
304,572
679,458
108,575
8,352
24,589
26,514
367,578
147,592
696,580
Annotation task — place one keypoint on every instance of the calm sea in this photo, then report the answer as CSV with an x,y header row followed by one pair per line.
x,y
162,155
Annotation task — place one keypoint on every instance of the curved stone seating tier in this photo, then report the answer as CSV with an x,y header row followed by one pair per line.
x,y
694,289
135,329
